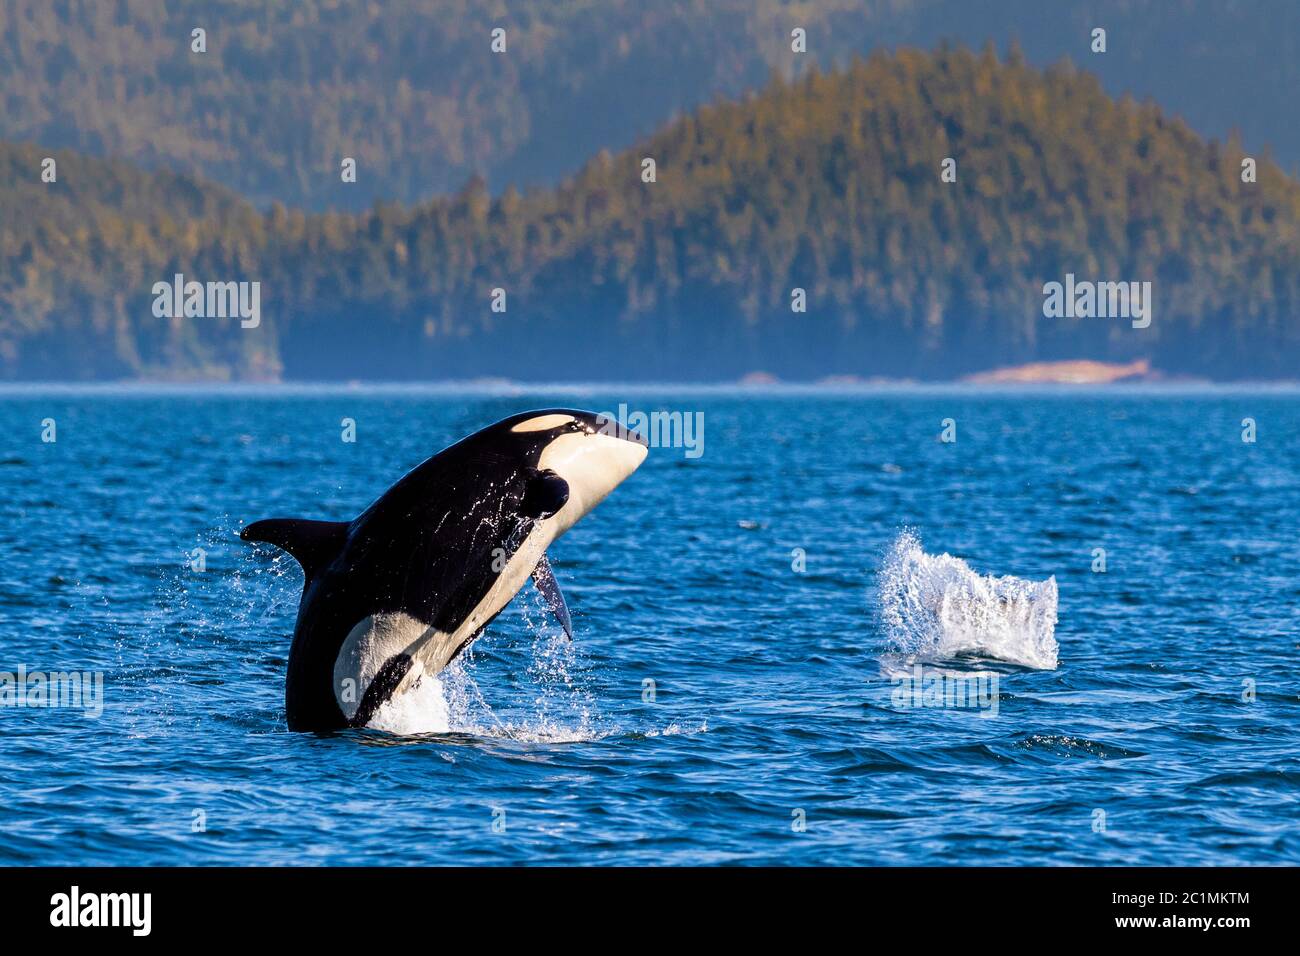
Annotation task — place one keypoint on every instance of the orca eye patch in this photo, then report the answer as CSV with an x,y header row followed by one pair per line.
x,y
544,495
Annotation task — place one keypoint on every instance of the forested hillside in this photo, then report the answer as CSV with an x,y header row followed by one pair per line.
x,y
413,92
830,183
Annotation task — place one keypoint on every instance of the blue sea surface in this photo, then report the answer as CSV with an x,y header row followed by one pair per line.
x,y
732,693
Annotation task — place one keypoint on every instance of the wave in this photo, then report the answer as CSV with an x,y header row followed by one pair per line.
x,y
936,607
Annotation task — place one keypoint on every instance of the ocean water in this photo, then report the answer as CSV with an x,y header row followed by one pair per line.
x,y
831,638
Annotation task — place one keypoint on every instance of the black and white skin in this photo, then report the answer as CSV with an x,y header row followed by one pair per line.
x,y
396,594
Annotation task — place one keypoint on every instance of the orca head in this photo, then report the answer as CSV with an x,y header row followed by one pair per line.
x,y
591,452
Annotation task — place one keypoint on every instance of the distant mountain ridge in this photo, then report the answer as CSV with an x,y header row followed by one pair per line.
x,y
414,93
829,184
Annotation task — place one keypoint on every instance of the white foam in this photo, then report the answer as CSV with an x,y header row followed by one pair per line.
x,y
673,729
422,709
935,607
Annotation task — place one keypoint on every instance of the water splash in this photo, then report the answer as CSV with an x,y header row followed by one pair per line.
x,y
548,705
935,607
422,709
242,609
218,616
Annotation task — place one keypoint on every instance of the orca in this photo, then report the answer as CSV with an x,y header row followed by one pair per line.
x,y
394,595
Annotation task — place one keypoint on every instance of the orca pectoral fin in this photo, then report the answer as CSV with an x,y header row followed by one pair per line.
x,y
544,578
314,543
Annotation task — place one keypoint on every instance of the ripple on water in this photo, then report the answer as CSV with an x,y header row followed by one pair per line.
x,y
736,648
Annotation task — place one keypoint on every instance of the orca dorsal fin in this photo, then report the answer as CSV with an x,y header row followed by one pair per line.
x,y
314,543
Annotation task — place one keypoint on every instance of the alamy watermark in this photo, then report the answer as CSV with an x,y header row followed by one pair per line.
x,y
1098,300
919,690
74,908
659,429
82,690
208,300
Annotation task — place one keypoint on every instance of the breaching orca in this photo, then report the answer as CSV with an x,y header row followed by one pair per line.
x,y
397,593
